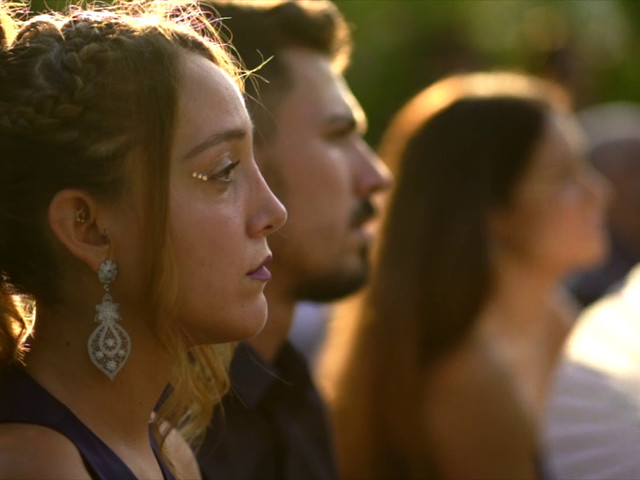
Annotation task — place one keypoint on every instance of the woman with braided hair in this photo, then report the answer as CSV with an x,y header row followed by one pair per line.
x,y
133,226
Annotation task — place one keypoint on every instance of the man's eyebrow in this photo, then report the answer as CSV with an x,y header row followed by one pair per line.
x,y
215,139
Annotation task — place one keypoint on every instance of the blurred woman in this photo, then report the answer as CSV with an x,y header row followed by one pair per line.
x,y
443,371
133,217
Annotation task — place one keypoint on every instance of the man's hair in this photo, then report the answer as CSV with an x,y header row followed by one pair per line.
x,y
261,30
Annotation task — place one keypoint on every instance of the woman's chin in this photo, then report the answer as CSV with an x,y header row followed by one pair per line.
x,y
248,323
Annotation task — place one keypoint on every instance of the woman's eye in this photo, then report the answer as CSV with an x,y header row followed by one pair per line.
x,y
223,175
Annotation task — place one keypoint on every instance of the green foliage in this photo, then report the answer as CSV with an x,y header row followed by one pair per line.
x,y
403,45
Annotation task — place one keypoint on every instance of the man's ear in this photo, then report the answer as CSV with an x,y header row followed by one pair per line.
x,y
74,220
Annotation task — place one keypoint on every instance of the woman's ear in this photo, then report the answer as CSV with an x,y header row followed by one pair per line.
x,y
74,220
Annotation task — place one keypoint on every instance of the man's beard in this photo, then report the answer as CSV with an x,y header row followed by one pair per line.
x,y
336,284
339,283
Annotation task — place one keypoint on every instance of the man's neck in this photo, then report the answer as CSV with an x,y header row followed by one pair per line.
x,y
281,309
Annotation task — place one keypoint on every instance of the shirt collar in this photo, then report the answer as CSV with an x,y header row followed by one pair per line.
x,y
252,375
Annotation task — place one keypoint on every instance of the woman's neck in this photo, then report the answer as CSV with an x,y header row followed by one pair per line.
x,y
525,323
117,411
521,293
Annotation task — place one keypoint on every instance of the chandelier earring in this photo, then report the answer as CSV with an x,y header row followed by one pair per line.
x,y
109,345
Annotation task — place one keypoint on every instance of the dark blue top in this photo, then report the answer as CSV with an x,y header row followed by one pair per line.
x,y
23,400
273,424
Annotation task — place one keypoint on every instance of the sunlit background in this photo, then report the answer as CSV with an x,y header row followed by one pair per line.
x,y
591,46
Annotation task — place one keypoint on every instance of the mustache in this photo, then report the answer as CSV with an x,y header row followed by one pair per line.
x,y
365,210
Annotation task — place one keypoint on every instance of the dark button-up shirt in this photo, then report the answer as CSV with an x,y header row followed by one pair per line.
x,y
273,424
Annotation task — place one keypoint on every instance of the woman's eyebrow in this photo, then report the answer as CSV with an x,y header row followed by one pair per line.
x,y
215,139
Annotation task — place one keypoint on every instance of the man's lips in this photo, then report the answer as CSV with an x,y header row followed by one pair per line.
x,y
261,273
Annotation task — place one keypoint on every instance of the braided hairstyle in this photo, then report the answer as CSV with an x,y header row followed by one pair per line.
x,y
84,98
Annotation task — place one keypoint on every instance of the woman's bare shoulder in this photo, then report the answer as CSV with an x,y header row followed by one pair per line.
x,y
470,387
33,451
477,426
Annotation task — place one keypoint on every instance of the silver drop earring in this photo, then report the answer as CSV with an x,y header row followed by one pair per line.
x,y
109,345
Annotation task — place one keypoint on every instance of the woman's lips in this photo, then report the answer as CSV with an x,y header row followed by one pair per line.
x,y
261,273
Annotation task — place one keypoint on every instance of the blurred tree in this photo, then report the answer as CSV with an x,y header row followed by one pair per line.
x,y
403,45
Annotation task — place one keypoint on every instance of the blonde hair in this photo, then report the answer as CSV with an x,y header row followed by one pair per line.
x,y
85,98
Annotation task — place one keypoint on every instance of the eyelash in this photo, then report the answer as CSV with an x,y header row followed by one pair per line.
x,y
223,175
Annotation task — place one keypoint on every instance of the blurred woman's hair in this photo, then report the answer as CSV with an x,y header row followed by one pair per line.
x,y
88,100
458,149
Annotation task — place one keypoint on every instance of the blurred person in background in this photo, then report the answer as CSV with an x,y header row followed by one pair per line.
x,y
593,422
592,427
444,364
309,144
613,135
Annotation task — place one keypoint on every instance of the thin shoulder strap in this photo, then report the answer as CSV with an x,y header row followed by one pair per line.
x,y
23,400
